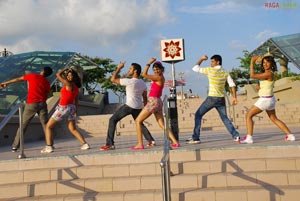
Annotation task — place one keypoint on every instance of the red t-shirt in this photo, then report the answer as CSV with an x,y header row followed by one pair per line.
x,y
68,97
38,88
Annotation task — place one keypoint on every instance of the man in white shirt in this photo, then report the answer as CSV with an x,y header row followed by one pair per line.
x,y
136,98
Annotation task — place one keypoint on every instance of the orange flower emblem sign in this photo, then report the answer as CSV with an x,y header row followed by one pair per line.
x,y
172,50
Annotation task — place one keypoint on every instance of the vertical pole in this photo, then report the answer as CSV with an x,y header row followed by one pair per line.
x,y
172,100
165,161
21,155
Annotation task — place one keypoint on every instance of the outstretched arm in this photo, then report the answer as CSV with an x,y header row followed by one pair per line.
x,y
4,84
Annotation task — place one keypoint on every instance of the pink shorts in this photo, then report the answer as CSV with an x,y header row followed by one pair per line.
x,y
64,111
154,105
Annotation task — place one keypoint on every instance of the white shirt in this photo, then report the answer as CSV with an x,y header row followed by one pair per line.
x,y
134,92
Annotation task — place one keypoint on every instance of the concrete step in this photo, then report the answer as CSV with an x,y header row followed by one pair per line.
x,y
149,169
279,193
144,183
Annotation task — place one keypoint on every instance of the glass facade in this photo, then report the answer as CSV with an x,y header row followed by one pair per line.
x,y
32,62
282,47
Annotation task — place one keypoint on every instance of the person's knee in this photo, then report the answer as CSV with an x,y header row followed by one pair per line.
x,y
138,122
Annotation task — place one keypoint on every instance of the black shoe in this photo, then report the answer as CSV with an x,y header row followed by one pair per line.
x,y
14,149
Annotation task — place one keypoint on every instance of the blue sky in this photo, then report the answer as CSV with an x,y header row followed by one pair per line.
x,y
131,30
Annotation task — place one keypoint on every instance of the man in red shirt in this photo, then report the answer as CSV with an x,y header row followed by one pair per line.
x,y
38,90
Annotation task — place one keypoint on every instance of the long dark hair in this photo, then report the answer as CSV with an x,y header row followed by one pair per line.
x,y
76,78
272,61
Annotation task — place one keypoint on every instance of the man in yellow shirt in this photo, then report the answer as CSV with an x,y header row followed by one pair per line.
x,y
217,78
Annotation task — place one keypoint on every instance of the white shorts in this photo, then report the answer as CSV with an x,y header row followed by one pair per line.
x,y
266,103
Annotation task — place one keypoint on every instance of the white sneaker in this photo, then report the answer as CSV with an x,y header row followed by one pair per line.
x,y
47,149
85,146
192,141
290,137
237,139
247,140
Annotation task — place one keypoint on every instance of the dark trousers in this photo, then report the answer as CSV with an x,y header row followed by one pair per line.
x,y
29,111
122,112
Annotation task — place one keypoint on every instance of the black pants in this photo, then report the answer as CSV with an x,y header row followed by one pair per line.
x,y
122,112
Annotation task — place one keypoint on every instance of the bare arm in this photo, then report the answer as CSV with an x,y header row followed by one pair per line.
x,y
203,58
156,78
197,68
18,79
114,78
260,76
64,80
234,100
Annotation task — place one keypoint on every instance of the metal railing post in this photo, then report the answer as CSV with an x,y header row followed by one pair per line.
x,y
21,133
165,161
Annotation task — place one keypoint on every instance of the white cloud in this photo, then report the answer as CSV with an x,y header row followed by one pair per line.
x,y
51,24
237,45
266,34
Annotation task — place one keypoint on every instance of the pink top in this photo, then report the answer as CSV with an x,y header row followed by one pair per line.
x,y
155,90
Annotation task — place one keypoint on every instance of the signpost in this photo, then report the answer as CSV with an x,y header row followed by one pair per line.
x,y
172,51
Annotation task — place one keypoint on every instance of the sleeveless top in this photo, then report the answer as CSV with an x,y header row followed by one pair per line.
x,y
266,88
68,97
155,90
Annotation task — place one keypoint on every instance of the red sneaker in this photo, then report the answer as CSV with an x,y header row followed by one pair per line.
x,y
107,147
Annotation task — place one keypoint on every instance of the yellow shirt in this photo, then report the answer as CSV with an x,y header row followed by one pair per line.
x,y
217,78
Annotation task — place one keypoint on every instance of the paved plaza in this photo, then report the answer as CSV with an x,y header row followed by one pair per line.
x,y
209,140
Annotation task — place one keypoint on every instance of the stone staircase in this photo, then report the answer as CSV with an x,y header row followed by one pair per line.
x,y
264,173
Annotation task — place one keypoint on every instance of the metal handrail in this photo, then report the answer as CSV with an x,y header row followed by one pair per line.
x,y
9,116
21,155
3,123
165,161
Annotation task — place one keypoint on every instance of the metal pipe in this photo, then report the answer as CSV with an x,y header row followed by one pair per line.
x,y
165,161
21,155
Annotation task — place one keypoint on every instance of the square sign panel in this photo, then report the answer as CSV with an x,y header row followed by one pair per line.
x,y
172,50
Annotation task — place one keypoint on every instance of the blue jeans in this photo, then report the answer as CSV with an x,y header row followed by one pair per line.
x,y
122,112
210,103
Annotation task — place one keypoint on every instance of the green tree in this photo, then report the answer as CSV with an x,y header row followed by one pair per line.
x,y
97,80
241,75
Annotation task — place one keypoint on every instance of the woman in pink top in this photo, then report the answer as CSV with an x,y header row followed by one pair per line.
x,y
66,108
154,104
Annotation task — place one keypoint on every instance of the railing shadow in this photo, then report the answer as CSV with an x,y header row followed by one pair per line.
x,y
239,172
